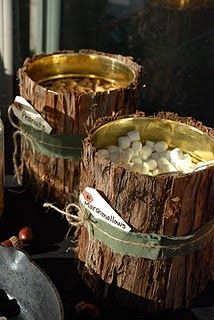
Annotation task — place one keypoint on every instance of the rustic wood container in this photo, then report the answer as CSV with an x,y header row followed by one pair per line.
x,y
70,112
173,205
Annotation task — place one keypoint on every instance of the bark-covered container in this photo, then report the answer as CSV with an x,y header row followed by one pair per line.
x,y
170,215
46,81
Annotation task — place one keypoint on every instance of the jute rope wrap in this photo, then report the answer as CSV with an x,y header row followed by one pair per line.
x,y
145,245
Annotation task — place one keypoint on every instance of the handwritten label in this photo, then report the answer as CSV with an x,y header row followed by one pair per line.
x,y
29,116
100,209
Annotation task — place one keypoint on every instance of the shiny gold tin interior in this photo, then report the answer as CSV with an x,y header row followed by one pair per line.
x,y
67,65
189,139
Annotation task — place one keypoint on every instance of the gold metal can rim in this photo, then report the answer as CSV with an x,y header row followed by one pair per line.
x,y
65,65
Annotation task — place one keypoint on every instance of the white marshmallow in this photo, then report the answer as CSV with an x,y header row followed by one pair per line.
x,y
145,152
136,146
136,160
189,169
160,146
145,168
140,168
150,144
124,142
114,156
187,157
155,156
163,162
175,154
165,154
124,156
136,153
155,172
112,149
152,164
168,168
130,152
182,165
133,135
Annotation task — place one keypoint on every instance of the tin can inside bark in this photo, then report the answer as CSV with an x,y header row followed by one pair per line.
x,y
71,90
175,207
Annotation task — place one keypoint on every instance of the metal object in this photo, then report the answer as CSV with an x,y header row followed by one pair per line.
x,y
23,280
66,65
189,139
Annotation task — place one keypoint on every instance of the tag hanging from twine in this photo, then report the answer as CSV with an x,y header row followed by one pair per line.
x,y
53,146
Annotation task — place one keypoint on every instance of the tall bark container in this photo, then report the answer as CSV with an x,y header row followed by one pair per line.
x,y
176,207
72,112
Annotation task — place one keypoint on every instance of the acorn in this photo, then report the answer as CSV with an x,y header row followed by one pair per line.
x,y
25,235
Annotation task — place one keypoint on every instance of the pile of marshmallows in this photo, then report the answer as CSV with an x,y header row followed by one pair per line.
x,y
150,158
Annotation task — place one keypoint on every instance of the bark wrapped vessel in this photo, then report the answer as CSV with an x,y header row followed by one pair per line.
x,y
71,112
174,209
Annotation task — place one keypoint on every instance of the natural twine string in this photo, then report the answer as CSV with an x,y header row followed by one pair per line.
x,y
26,139
81,218
75,220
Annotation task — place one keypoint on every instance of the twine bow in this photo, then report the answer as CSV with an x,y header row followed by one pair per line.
x,y
74,220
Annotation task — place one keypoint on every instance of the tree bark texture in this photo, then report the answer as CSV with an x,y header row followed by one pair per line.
x,y
70,113
165,205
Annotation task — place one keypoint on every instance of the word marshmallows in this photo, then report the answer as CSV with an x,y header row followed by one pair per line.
x,y
150,158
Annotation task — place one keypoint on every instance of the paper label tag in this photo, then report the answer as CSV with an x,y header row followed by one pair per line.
x,y
100,209
29,116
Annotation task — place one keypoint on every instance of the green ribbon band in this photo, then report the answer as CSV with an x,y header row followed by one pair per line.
x,y
150,246
57,146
